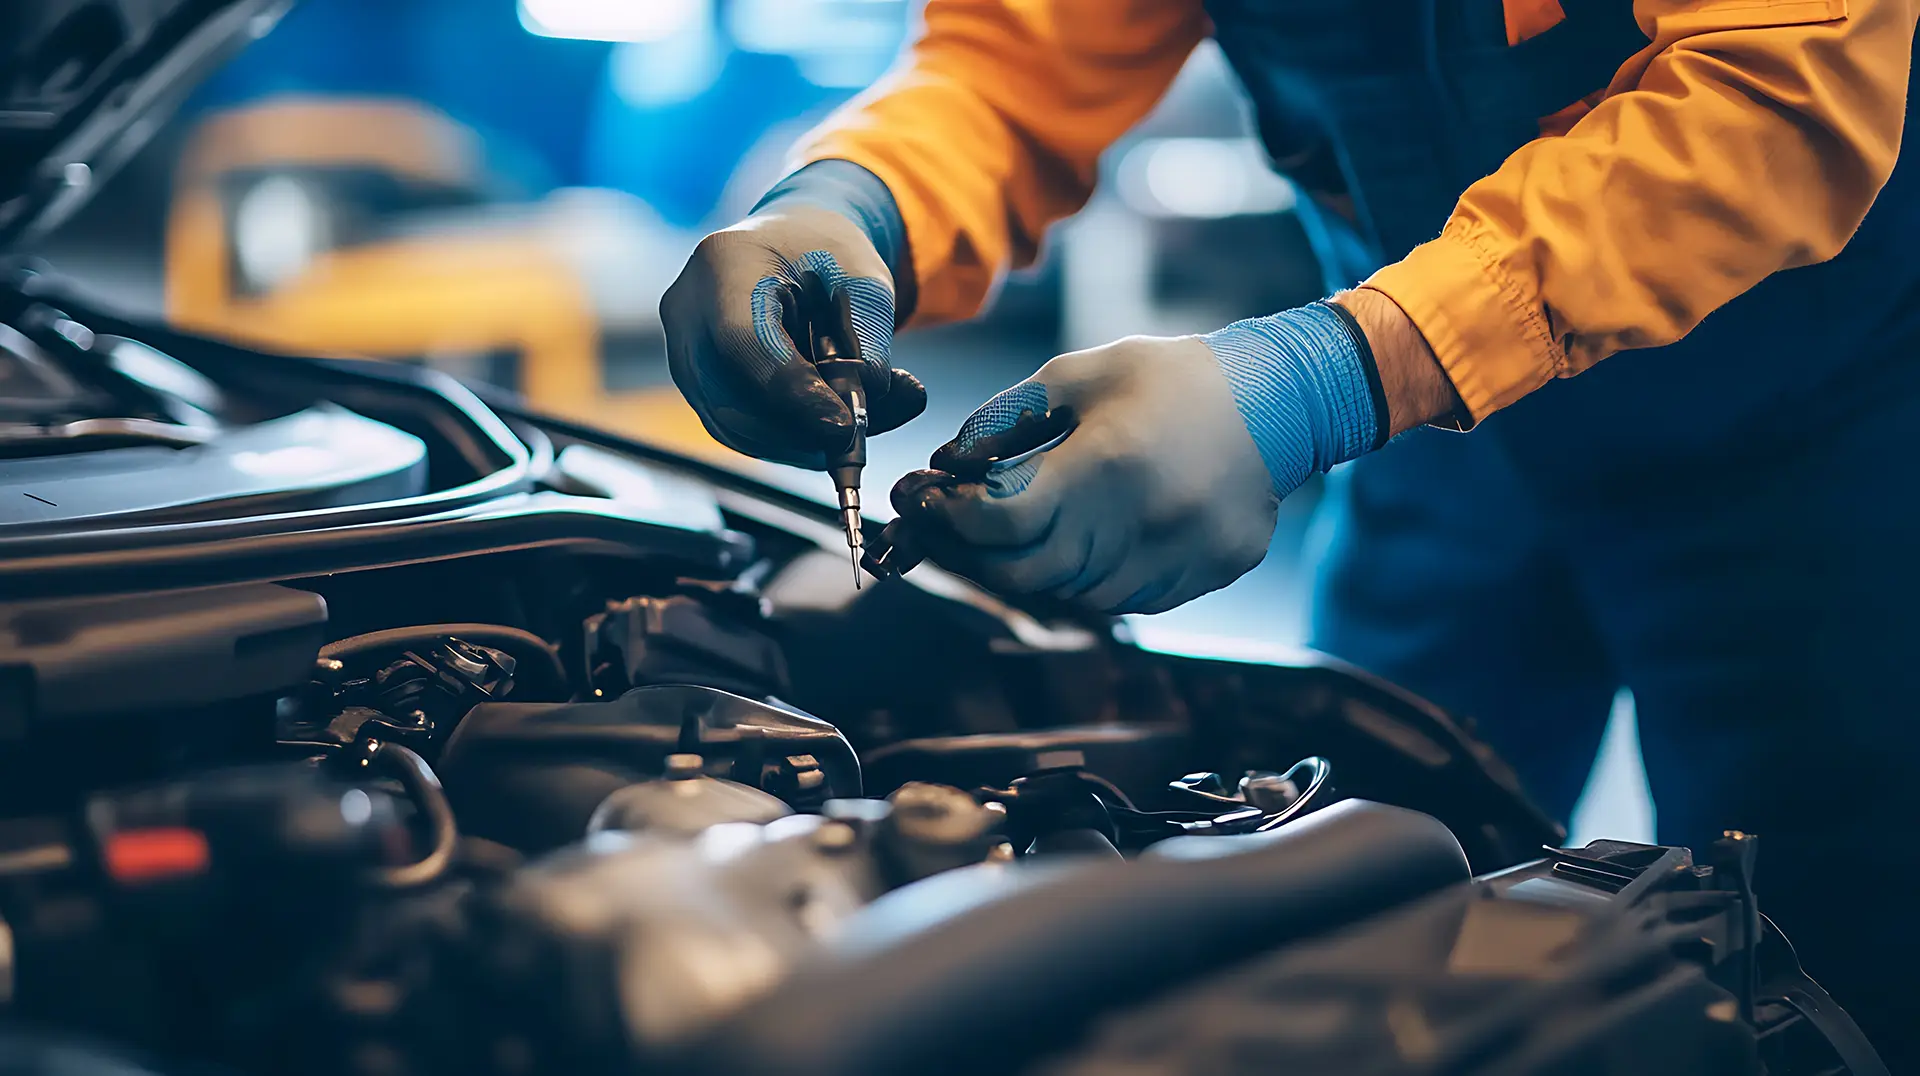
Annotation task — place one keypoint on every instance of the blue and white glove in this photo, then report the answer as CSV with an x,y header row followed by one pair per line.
x,y
726,345
1169,486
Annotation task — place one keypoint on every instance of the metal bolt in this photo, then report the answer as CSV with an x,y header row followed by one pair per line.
x,y
925,801
834,837
329,671
937,814
464,658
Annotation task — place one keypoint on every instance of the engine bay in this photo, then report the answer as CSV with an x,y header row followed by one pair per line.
x,y
354,720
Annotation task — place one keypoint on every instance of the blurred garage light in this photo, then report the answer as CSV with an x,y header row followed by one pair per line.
x,y
1207,178
277,232
651,74
835,44
611,20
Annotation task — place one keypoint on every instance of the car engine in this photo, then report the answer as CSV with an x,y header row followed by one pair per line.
x,y
357,721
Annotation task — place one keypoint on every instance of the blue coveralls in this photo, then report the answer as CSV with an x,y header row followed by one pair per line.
x,y
1727,526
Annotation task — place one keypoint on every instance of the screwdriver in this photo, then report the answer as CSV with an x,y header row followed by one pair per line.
x,y
834,350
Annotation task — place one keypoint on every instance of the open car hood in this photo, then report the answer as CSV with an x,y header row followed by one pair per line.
x,y
84,83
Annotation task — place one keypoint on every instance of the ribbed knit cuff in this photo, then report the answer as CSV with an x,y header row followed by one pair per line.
x,y
860,196
1303,387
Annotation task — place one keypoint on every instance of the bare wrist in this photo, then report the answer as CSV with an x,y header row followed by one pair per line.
x,y
1417,389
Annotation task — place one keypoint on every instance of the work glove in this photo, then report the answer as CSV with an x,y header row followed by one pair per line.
x,y
727,347
1169,485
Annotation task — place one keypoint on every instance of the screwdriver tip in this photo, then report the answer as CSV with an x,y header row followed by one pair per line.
x,y
850,518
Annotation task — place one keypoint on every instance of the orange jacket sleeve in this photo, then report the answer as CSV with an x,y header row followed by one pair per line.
x,y
1751,136
993,125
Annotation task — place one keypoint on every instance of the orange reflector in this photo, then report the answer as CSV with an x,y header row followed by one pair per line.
x,y
144,855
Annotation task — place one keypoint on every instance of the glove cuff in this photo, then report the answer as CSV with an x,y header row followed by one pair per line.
x,y
1376,392
861,197
1305,384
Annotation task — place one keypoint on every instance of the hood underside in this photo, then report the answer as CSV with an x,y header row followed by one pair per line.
x,y
84,83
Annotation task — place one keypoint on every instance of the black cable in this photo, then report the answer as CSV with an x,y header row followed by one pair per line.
x,y
1319,784
423,787
1109,788
527,648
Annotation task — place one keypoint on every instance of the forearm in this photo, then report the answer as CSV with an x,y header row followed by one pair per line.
x,y
859,195
993,126
1749,139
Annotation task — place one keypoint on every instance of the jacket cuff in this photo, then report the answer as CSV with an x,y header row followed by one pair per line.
x,y
1488,330
862,197
950,279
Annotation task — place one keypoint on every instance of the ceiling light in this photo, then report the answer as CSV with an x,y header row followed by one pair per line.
x,y
611,20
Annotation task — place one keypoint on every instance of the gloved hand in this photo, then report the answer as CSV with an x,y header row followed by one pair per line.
x,y
1169,485
726,345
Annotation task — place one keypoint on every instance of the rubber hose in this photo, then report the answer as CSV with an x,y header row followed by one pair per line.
x,y
423,787
526,647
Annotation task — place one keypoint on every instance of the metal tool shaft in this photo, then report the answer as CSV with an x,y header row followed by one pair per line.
x,y
835,354
850,516
845,468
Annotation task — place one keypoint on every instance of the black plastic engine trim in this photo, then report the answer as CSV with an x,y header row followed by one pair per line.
x,y
533,521
497,511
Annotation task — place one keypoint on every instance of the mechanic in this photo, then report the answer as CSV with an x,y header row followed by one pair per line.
x,y
1719,516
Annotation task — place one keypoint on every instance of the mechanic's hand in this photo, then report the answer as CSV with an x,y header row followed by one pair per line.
x,y
1168,487
731,357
